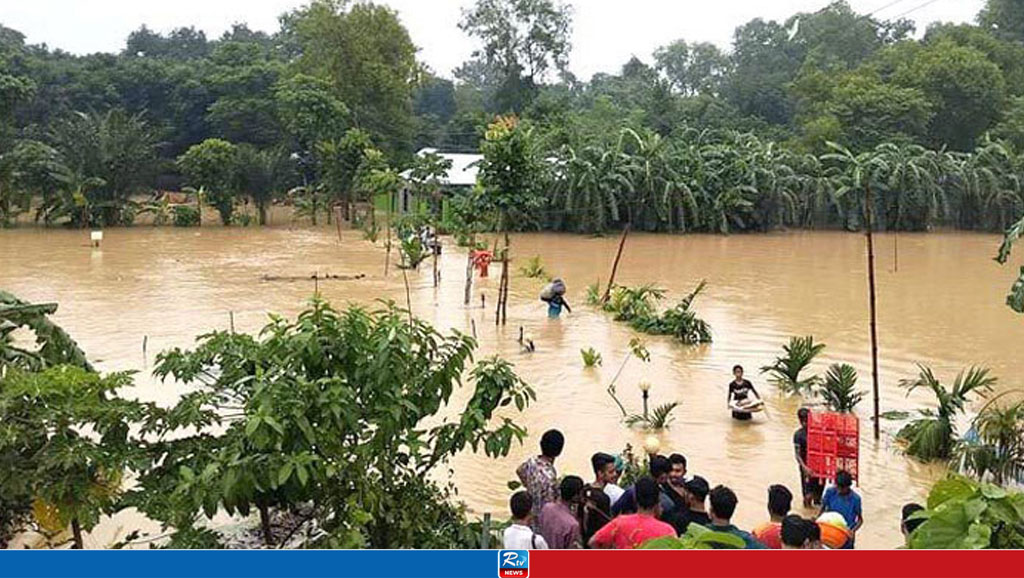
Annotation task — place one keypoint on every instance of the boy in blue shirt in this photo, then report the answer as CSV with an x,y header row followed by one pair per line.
x,y
843,500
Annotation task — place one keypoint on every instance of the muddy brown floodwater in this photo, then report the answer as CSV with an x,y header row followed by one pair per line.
x,y
944,308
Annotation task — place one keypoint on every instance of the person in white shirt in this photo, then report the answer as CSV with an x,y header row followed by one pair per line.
x,y
519,535
605,475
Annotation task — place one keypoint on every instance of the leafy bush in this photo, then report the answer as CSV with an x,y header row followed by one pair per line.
x,y
839,389
327,410
786,370
46,462
594,294
591,358
185,216
659,419
413,252
638,306
933,435
995,445
963,514
534,269
697,537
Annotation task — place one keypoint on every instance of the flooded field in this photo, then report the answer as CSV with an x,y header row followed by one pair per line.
x,y
943,307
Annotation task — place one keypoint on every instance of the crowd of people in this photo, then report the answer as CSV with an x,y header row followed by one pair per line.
x,y
567,513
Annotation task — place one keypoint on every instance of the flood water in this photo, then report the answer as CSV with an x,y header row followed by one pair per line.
x,y
943,307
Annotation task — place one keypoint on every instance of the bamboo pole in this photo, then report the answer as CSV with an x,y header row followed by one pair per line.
x,y
869,200
615,266
408,295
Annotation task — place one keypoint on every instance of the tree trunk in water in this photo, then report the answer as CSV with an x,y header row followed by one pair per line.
x,y
615,266
262,208
268,536
896,251
501,318
469,270
76,529
346,211
870,209
387,257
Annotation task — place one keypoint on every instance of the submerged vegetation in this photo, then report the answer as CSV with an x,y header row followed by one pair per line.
x,y
934,435
638,306
839,388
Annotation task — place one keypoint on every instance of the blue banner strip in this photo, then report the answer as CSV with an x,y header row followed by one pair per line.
x,y
249,564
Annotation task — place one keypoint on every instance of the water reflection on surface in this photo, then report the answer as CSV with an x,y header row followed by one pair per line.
x,y
942,308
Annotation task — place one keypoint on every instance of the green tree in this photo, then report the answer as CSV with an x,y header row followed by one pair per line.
x,y
523,41
329,410
69,477
213,165
366,55
692,68
263,174
1004,17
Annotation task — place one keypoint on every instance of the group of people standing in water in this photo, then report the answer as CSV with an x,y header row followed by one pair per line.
x,y
665,500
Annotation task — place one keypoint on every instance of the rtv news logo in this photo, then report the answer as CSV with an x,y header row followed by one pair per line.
x,y
514,564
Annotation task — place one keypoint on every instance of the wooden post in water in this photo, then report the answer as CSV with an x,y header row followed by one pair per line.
x,y
896,251
485,534
408,295
472,325
870,211
231,316
615,266
337,219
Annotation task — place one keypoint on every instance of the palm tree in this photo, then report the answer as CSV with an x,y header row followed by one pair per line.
x,y
995,444
839,389
933,435
786,370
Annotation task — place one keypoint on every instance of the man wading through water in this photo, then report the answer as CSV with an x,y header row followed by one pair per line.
x,y
812,487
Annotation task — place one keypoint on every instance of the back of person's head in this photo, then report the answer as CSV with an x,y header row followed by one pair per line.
x,y
910,525
780,500
660,466
813,533
698,487
551,443
571,488
844,479
677,459
803,414
723,502
795,532
521,504
600,461
646,493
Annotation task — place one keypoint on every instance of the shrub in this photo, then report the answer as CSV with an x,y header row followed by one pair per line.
x,y
591,358
839,389
786,370
185,216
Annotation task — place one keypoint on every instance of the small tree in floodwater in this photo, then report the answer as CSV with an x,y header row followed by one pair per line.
x,y
1015,300
786,369
327,411
933,436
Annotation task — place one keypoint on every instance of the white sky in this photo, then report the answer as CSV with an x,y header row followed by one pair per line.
x,y
606,32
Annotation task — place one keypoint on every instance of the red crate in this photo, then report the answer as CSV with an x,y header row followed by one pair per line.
x,y
833,444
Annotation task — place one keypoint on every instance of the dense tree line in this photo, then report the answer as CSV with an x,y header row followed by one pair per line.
x,y
298,111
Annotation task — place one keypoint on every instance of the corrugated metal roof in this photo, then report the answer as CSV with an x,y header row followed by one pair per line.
x,y
464,167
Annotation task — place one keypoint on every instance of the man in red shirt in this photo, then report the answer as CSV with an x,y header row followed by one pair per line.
x,y
780,500
631,531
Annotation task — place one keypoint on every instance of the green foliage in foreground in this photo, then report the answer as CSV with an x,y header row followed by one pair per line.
x,y
995,446
785,371
64,447
53,345
968,515
933,435
638,306
697,537
327,410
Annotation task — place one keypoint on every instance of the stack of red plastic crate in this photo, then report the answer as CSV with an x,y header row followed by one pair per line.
x,y
833,444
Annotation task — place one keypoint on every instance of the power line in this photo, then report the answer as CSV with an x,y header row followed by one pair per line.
x,y
915,9
887,6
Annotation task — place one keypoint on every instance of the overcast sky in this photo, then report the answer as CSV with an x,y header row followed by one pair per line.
x,y
606,32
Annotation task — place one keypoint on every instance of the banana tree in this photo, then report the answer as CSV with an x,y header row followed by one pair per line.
x,y
933,435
